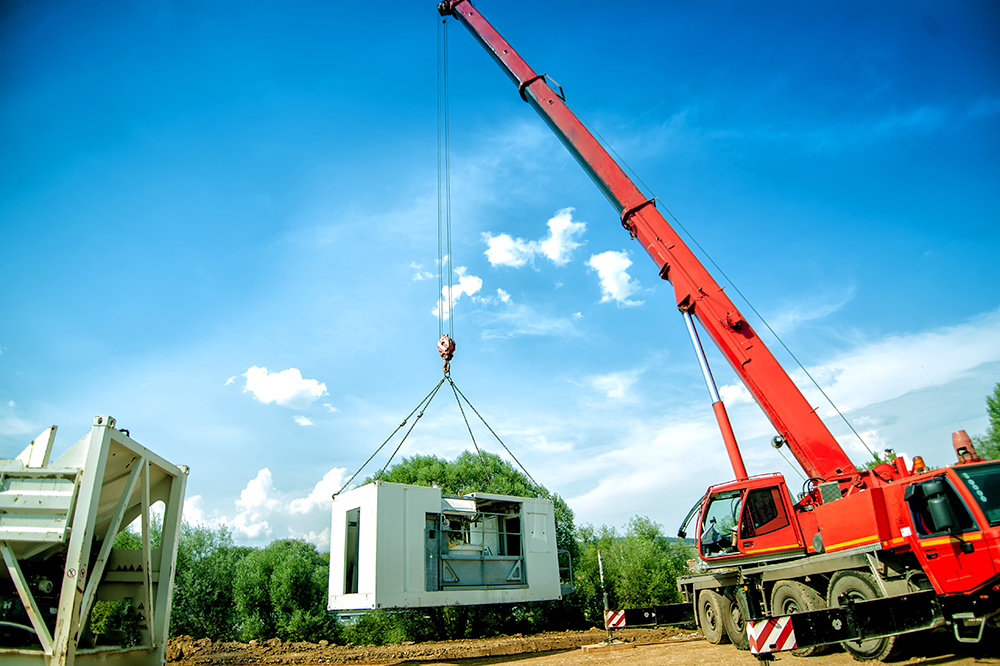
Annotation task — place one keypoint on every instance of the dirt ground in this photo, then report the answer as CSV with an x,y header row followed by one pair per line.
x,y
655,647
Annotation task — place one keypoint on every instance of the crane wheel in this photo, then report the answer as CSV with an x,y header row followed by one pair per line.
x,y
710,617
859,586
791,596
734,613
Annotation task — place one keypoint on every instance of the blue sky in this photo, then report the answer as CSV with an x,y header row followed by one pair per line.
x,y
191,193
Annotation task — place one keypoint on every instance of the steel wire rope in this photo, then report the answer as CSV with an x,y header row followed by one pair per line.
x,y
746,300
496,436
446,285
445,265
797,470
468,426
424,403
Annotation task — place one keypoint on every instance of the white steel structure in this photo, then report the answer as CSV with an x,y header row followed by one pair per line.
x,y
402,546
57,524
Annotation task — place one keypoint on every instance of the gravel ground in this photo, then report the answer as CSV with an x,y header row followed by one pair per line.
x,y
656,647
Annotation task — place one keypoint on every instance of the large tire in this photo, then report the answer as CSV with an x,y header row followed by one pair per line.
x,y
789,597
859,586
710,617
734,616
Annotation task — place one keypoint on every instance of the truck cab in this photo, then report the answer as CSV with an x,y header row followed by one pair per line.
x,y
751,519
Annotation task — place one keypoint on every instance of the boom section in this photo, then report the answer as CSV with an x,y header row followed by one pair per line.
x,y
812,444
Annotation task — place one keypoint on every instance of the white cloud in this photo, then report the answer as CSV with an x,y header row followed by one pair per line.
x,y
420,273
560,242
615,384
616,283
633,469
230,380
542,443
194,513
303,421
330,408
815,307
733,394
888,368
521,320
501,297
467,284
321,496
504,250
287,388
263,513
255,505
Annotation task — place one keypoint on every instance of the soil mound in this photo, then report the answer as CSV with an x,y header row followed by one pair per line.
x,y
186,650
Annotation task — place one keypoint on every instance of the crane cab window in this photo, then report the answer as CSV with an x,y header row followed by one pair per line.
x,y
718,525
765,513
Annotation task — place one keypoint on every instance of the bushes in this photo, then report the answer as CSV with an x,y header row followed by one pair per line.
x,y
640,567
203,585
227,592
281,591
115,623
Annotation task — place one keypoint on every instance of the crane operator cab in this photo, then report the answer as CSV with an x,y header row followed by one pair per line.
x,y
719,520
746,518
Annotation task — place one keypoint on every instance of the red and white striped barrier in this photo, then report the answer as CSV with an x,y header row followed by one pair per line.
x,y
773,635
614,619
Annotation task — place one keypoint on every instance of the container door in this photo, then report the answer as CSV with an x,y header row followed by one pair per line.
x,y
432,552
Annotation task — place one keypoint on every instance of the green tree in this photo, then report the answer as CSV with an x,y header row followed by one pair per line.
x,y
203,583
988,444
281,591
131,539
641,567
486,472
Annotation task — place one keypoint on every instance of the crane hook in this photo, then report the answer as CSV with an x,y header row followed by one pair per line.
x,y
446,348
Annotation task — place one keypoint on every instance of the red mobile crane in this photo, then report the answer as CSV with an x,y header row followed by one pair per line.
x,y
862,556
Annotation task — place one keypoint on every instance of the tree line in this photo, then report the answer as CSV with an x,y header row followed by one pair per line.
x,y
227,592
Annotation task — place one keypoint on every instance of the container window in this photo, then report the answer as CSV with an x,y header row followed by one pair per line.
x,y
352,549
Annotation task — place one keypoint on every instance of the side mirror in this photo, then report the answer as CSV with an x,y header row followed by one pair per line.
x,y
939,507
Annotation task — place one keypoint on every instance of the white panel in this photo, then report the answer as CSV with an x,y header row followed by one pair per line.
x,y
538,542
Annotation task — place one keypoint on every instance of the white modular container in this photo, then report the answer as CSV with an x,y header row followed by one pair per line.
x,y
402,546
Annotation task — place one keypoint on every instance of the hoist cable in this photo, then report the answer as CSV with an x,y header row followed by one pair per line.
x,y
718,268
509,452
440,196
446,280
422,404
794,467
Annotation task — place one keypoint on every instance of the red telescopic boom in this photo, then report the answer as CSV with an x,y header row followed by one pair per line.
x,y
697,293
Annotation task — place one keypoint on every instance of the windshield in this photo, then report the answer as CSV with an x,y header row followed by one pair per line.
x,y
984,483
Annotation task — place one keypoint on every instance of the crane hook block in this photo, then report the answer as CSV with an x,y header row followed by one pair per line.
x,y
446,348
